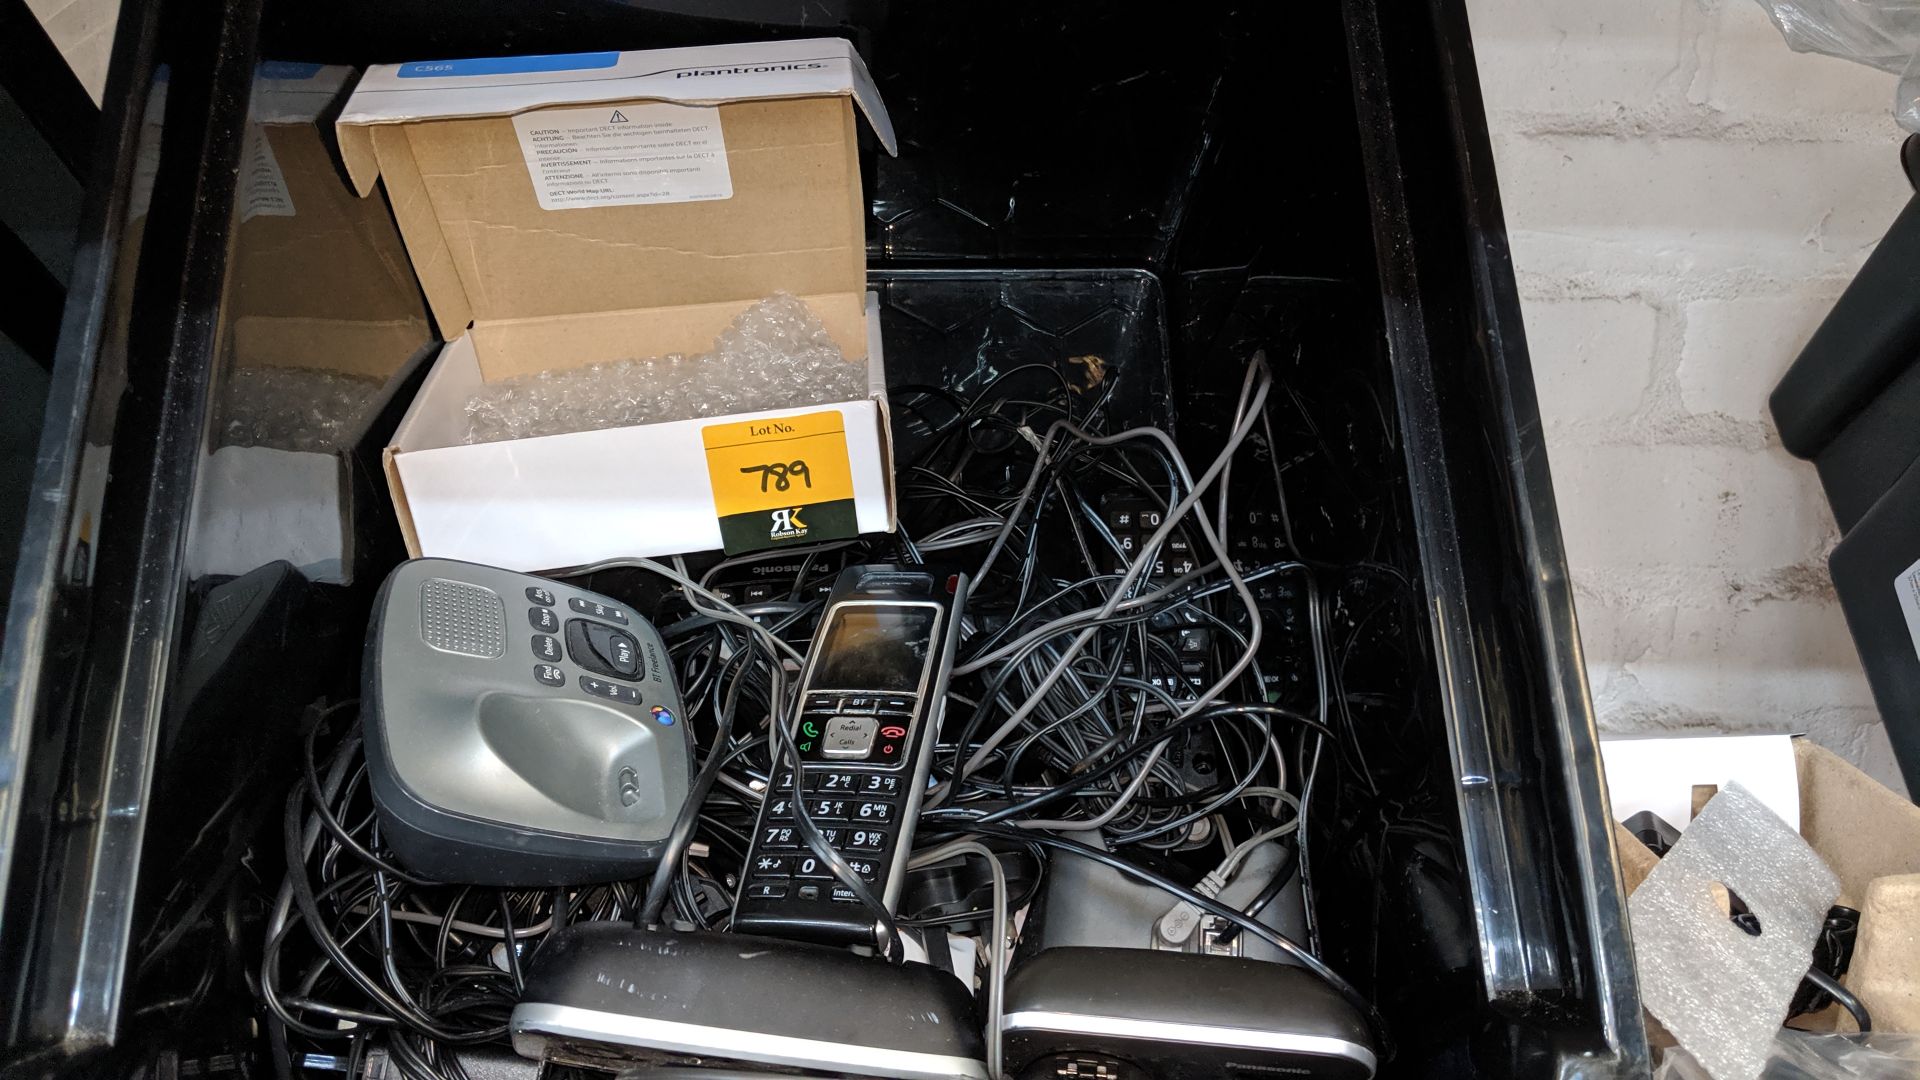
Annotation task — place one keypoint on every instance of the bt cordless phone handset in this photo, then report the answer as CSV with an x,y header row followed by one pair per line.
x,y
871,700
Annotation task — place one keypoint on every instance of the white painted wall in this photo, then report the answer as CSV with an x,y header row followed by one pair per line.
x,y
1686,198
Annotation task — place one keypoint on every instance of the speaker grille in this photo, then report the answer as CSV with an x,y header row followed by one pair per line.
x,y
458,617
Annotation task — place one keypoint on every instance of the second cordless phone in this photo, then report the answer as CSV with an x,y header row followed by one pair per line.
x,y
871,701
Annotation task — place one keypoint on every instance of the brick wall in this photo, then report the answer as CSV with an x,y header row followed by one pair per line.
x,y
1686,198
83,32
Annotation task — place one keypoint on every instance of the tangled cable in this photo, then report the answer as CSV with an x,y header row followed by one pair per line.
x,y
1079,707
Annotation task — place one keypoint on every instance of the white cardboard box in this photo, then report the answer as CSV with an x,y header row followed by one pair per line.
x,y
570,210
568,500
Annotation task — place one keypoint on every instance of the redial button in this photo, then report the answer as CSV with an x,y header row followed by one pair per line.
x,y
849,737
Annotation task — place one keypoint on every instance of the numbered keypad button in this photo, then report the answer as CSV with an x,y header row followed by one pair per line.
x,y
842,783
827,809
878,813
778,836
868,840
811,867
879,785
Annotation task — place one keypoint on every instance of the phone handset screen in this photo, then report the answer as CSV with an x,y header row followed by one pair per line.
x,y
874,648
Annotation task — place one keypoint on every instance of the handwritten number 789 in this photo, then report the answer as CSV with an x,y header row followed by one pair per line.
x,y
779,476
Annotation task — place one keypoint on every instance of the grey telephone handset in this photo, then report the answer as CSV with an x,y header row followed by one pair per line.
x,y
519,731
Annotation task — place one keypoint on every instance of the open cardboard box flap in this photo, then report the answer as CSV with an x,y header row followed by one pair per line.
x,y
353,309
546,289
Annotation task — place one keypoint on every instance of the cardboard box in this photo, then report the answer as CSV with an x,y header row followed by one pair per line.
x,y
321,281
325,318
1868,835
571,210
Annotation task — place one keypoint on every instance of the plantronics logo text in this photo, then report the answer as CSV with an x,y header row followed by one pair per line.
x,y
753,69
787,524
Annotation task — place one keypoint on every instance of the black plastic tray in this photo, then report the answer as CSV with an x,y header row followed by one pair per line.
x,y
1075,181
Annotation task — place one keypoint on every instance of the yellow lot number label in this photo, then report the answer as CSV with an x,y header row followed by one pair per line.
x,y
781,481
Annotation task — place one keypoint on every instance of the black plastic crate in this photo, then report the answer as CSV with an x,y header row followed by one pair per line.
x,y
1075,185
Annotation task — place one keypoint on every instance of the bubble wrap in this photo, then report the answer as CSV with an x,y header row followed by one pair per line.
x,y
295,408
1812,1055
775,355
1722,993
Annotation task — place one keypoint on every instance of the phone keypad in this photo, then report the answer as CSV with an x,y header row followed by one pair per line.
x,y
853,785
857,814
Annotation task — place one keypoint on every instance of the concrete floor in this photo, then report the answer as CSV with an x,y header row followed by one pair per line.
x,y
1686,197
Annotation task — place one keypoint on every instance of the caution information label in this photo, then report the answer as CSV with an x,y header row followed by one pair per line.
x,y
263,187
781,481
624,155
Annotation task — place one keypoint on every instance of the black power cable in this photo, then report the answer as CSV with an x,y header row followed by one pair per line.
x,y
689,817
1159,738
1842,996
1107,739
390,1002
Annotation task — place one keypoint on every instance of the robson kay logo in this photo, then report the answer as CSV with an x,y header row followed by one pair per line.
x,y
787,524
